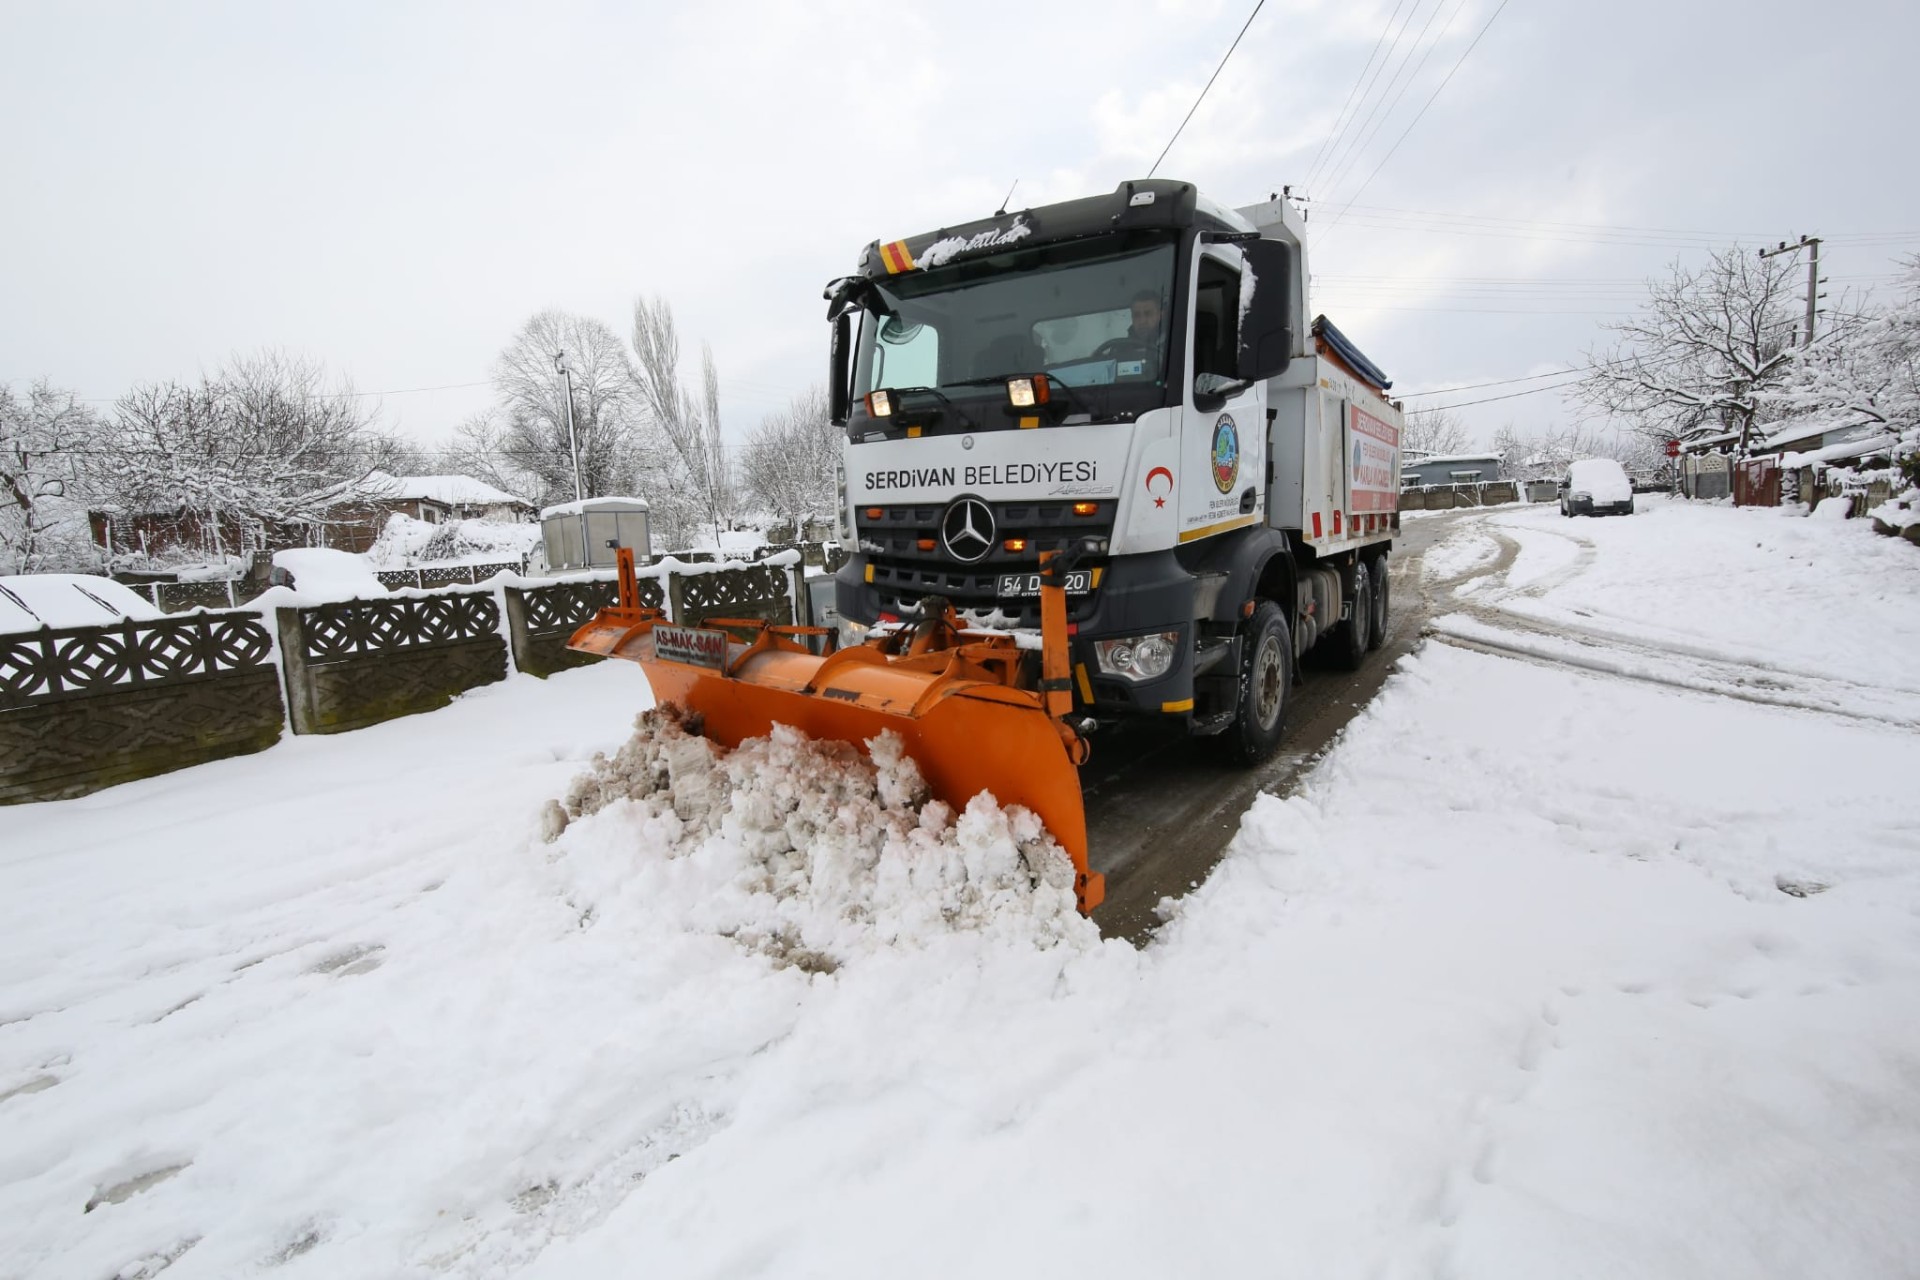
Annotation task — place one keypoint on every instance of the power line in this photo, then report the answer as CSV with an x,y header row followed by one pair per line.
x,y
1340,134
1495,311
1203,92
1340,119
1511,395
1497,382
1424,219
1429,102
1361,143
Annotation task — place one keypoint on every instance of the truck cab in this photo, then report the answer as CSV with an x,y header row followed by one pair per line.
x,y
1101,378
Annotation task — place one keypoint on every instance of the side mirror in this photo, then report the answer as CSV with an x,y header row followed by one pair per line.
x,y
840,370
1266,304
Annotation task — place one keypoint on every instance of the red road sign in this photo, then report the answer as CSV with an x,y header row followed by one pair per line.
x,y
1673,448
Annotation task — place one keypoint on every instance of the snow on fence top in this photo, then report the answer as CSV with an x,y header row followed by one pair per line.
x,y
63,662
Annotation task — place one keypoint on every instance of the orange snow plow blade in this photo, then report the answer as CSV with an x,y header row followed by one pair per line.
x,y
957,698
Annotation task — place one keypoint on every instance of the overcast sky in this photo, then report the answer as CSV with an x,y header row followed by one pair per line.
x,y
394,187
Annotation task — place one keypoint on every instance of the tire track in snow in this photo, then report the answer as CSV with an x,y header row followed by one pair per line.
x,y
1487,625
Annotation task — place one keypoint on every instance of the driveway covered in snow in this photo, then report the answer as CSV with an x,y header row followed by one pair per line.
x,y
1592,947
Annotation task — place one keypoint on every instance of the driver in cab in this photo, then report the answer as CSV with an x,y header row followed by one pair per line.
x,y
1142,351
1146,319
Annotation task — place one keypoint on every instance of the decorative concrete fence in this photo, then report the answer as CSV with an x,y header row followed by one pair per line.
x,y
87,707
1445,497
1494,493
83,708
358,662
541,617
426,577
178,597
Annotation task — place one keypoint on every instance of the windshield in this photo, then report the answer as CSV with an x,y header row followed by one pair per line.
x,y
1092,314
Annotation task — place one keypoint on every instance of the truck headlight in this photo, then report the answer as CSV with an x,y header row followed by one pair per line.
x,y
1145,657
852,633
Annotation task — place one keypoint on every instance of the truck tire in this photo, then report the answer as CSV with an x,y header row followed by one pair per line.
x,y
1352,638
1380,603
1266,682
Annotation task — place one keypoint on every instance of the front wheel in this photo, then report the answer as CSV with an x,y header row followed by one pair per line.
x,y
1266,676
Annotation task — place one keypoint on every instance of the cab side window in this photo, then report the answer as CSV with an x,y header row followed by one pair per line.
x,y
1216,319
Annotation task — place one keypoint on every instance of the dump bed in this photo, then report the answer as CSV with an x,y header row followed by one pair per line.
x,y
1335,436
1335,445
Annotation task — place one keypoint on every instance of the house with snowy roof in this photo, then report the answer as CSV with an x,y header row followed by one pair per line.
x,y
437,499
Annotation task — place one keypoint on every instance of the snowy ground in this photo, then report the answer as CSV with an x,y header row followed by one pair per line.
x,y
1576,957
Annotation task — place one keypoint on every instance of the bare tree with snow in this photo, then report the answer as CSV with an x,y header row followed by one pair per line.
x,y
1863,372
697,472
529,435
1435,431
482,447
269,440
1711,347
1535,455
789,460
48,439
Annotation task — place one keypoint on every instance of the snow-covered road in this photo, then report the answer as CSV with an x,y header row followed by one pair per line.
x,y
1553,967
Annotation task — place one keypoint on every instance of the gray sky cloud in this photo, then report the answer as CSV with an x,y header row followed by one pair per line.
x,y
394,189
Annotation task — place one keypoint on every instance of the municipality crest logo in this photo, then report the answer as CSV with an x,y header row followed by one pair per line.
x,y
1226,453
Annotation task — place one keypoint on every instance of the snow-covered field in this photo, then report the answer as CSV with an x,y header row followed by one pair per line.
x,y
1549,969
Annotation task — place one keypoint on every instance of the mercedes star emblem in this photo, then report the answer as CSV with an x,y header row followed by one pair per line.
x,y
967,529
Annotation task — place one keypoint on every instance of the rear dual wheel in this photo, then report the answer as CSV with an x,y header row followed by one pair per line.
x,y
1354,636
1380,602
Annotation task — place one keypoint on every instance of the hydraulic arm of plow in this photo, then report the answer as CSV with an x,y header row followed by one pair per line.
x,y
964,701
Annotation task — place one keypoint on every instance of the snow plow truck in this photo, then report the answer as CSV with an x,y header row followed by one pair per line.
x,y
1098,465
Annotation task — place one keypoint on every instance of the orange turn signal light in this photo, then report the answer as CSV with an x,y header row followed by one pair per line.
x,y
1085,508
925,544
874,513
1015,544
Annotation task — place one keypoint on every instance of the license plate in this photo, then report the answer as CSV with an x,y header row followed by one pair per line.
x,y
1079,582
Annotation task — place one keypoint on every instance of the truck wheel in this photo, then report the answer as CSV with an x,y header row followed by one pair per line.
x,y
1350,638
1266,679
1380,592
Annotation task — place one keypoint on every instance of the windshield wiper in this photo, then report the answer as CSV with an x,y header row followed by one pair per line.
x,y
945,403
986,380
1073,396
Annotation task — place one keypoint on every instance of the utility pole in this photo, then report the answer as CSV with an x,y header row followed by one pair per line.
x,y
1812,245
573,444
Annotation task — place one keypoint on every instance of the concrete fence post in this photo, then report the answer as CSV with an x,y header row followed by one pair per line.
x,y
676,602
293,669
514,601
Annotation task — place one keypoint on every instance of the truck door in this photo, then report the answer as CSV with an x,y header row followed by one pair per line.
x,y
1224,432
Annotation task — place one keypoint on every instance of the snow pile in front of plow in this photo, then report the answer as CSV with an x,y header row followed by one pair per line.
x,y
810,852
